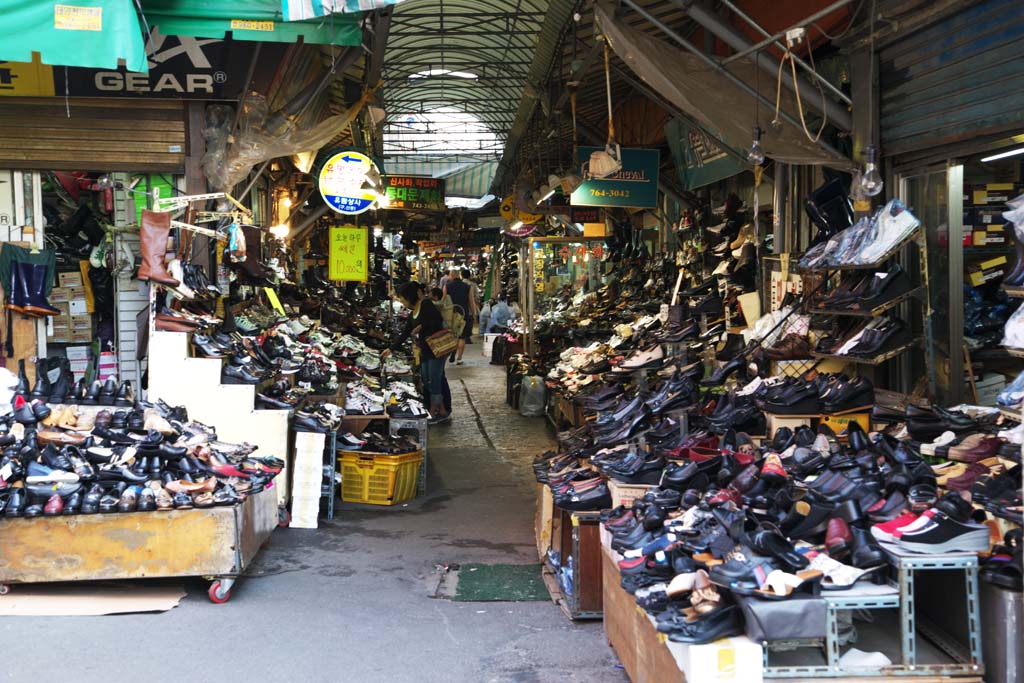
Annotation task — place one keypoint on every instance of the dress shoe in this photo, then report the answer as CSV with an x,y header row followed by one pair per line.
x,y
17,501
147,500
108,392
129,500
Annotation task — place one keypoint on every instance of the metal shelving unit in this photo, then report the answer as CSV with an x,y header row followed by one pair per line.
x,y
967,657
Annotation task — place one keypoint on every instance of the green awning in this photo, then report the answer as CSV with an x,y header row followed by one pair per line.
x,y
86,33
248,20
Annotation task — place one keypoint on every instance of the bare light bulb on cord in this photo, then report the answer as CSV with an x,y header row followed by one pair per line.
x,y
871,180
756,154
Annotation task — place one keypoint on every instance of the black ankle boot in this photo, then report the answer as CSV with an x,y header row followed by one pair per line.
x,y
22,388
42,388
61,389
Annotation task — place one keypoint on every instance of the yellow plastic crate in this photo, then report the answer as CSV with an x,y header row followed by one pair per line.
x,y
379,478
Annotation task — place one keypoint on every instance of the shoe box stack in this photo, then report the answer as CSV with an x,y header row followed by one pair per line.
x,y
307,479
74,324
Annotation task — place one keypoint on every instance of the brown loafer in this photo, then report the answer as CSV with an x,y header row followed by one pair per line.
x,y
46,437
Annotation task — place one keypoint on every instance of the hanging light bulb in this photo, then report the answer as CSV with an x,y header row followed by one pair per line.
x,y
756,154
871,180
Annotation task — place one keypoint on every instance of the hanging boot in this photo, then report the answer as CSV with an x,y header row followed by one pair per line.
x,y
22,388
42,389
153,234
38,276
17,295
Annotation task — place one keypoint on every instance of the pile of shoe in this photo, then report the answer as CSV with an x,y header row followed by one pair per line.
x,y
372,441
802,514
363,399
868,339
403,400
108,392
65,460
319,418
867,242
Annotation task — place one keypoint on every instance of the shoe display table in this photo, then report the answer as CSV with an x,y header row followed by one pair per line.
x,y
217,543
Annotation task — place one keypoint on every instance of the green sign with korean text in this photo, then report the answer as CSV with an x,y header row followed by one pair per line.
x,y
418,193
634,186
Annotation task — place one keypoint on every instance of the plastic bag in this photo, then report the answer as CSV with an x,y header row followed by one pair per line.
x,y
532,396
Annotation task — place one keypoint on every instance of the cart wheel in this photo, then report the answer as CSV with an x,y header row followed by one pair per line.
x,y
218,595
284,518
5,588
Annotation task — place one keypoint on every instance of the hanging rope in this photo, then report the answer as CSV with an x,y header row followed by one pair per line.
x,y
608,90
788,56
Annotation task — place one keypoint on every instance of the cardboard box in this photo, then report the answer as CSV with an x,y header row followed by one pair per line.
x,y
992,193
78,353
70,279
81,322
79,307
78,336
59,295
982,272
625,494
839,423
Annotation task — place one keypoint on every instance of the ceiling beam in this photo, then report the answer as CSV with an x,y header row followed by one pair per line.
x,y
549,41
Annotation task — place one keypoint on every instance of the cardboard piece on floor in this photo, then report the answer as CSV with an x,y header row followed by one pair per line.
x,y
92,598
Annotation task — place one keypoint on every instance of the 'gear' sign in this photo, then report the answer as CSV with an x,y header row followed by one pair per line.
x,y
342,181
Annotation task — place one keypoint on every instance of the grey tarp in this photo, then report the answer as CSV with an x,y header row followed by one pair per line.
x,y
720,106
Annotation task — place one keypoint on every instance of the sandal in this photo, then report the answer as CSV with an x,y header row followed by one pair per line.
x,y
705,598
839,576
782,585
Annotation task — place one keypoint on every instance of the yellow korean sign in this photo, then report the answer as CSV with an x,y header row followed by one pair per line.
x,y
348,256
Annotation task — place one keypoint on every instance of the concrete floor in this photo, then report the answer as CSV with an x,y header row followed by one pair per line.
x,y
351,601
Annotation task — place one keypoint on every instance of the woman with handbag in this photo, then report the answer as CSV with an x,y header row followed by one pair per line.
x,y
434,341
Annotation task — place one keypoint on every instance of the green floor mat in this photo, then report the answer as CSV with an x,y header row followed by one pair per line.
x,y
500,583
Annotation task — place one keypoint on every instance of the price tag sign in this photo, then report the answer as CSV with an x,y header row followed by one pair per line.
x,y
348,253
341,183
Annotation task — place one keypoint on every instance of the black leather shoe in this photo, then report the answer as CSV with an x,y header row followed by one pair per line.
x,y
108,392
234,374
91,501
121,474
73,505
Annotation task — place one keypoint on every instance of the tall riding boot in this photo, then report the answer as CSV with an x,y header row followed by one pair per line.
x,y
38,278
153,234
42,388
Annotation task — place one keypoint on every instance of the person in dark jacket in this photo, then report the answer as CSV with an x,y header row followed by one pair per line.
x,y
425,321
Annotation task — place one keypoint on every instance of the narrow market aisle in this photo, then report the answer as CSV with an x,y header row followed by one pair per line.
x,y
352,601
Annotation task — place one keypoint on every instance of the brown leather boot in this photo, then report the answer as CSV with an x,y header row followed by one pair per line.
x,y
156,227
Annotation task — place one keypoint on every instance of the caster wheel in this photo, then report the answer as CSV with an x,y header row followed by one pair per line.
x,y
4,589
218,595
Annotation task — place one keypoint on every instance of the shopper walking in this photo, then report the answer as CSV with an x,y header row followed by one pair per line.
x,y
460,293
425,321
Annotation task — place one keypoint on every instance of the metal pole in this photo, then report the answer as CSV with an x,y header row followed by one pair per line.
x,y
723,71
780,214
774,39
738,41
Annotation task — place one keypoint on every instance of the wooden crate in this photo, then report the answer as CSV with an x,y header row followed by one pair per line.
x,y
631,634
